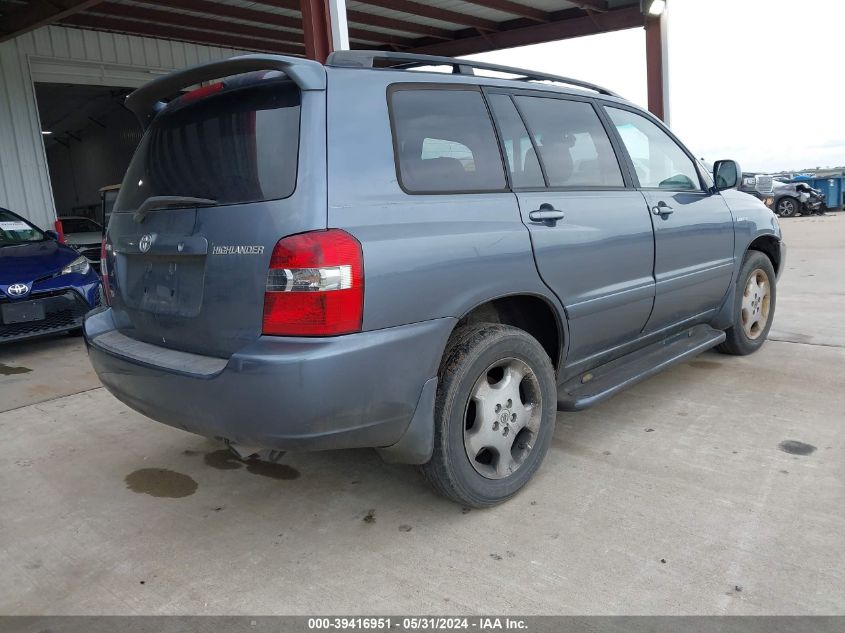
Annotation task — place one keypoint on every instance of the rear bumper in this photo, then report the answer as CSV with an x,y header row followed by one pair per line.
x,y
359,390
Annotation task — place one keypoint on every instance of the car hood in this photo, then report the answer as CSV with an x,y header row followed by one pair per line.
x,y
24,263
77,239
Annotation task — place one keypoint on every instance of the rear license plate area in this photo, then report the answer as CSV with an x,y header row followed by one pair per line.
x,y
23,312
165,286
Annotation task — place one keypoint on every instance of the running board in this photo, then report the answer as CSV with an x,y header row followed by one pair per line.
x,y
607,380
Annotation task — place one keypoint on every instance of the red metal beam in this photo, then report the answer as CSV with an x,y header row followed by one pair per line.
x,y
537,33
170,18
317,27
434,13
39,13
274,19
133,27
514,8
229,11
290,5
369,19
655,68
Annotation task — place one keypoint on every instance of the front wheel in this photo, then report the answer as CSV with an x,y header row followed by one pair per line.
x,y
494,414
787,207
754,306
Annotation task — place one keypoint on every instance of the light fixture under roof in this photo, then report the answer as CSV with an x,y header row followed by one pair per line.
x,y
46,132
657,7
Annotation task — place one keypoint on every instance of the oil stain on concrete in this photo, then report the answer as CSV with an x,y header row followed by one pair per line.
x,y
224,459
794,447
273,471
7,370
160,482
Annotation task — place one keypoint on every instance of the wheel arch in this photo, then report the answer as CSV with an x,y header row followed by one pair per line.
x,y
769,245
532,313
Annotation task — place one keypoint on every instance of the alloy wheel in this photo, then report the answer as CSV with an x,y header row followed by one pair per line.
x,y
756,300
502,418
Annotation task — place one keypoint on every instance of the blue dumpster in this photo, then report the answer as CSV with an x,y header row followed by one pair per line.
x,y
832,190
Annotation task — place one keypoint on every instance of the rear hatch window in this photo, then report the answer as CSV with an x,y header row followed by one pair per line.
x,y
227,145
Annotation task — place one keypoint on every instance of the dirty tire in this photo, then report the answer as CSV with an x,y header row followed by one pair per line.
x,y
787,207
470,354
738,342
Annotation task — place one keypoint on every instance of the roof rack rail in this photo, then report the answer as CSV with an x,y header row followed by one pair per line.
x,y
367,59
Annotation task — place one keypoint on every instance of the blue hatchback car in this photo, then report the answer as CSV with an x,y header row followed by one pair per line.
x,y
45,286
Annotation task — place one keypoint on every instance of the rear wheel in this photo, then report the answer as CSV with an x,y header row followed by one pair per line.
x,y
787,207
494,414
754,306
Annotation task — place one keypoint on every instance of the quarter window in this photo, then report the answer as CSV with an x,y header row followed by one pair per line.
x,y
445,142
658,160
573,145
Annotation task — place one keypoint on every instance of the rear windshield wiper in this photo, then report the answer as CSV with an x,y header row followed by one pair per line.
x,y
162,202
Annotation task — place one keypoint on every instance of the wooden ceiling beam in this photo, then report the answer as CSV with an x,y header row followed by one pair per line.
x,y
20,19
169,18
434,13
134,27
514,8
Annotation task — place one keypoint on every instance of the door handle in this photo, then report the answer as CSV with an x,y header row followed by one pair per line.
x,y
546,213
662,209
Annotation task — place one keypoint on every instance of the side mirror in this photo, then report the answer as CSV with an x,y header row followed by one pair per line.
x,y
52,235
726,174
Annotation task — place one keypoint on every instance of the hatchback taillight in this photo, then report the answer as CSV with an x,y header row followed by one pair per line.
x,y
315,286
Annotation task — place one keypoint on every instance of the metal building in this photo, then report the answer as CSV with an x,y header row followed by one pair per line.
x,y
66,65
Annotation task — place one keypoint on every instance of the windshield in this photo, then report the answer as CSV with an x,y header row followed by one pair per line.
x,y
13,230
240,145
80,225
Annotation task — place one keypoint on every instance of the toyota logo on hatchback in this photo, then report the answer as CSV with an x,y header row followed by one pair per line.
x,y
145,243
17,290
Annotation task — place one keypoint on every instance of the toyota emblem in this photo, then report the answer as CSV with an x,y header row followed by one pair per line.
x,y
145,243
17,290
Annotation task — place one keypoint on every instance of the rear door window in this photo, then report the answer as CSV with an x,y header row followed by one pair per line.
x,y
522,158
240,145
445,142
574,147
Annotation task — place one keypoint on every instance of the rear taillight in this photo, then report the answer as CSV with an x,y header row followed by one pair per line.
x,y
315,286
104,271
60,231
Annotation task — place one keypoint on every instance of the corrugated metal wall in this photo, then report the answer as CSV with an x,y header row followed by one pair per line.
x,y
72,56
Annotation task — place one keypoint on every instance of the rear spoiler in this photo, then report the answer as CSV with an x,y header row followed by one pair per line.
x,y
146,101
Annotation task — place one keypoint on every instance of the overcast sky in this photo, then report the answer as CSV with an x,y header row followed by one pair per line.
x,y
759,81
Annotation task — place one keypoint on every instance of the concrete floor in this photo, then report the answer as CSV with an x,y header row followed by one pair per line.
x,y
676,497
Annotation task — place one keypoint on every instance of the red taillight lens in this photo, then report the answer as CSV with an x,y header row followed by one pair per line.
x,y
202,91
104,272
60,231
315,286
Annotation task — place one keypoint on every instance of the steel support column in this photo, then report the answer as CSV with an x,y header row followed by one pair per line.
x,y
317,28
657,67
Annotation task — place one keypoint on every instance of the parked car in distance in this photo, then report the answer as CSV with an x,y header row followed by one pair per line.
x,y
85,236
761,186
108,196
428,263
794,198
45,287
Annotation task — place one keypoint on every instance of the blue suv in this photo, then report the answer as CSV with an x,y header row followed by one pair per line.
x,y
372,253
